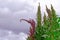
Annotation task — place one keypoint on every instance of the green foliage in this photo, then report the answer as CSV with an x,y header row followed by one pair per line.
x,y
39,29
49,29
39,17
53,27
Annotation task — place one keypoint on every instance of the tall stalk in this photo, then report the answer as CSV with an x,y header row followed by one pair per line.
x,y
39,29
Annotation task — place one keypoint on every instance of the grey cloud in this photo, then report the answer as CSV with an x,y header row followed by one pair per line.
x,y
10,19
10,35
15,6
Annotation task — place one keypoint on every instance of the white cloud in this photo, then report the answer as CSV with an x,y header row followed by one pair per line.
x,y
4,10
9,35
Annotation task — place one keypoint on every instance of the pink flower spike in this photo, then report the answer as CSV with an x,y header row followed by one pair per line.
x,y
32,28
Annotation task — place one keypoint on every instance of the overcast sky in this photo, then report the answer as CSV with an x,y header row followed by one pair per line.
x,y
11,11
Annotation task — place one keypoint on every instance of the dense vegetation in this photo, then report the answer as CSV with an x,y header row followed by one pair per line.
x,y
46,29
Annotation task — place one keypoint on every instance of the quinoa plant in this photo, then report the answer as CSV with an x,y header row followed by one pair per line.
x,y
39,32
49,29
32,28
53,33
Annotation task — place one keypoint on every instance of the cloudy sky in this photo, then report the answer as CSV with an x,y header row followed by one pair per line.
x,y
11,11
